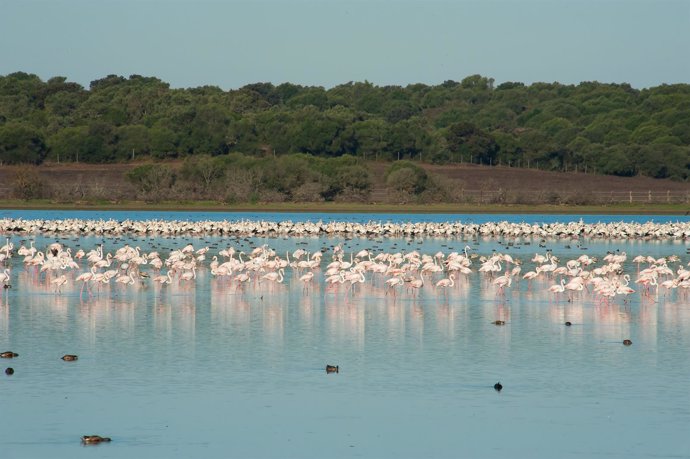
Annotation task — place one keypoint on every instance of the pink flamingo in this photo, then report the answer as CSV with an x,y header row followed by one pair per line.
x,y
556,289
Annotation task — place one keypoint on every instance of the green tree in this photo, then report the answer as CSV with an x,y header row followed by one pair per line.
x,y
467,139
132,141
21,143
70,144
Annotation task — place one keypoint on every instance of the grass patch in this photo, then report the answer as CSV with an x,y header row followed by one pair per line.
x,y
346,207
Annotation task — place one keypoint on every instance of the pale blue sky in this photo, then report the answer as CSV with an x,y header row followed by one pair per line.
x,y
232,43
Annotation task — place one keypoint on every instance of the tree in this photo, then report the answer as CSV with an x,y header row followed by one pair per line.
x,y
513,122
132,141
371,137
70,144
21,143
466,138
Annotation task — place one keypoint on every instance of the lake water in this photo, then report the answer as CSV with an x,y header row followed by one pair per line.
x,y
210,370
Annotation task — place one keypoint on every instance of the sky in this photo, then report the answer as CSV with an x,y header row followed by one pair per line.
x,y
231,43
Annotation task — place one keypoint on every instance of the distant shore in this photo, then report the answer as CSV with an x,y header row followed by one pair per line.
x,y
338,207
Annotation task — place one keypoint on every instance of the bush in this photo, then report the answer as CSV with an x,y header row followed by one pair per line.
x,y
402,183
202,172
152,181
27,184
309,192
406,178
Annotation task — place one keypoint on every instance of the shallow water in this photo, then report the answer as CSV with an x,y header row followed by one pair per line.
x,y
330,216
209,370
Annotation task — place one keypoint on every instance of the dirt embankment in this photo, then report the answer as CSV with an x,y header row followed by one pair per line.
x,y
478,183
489,182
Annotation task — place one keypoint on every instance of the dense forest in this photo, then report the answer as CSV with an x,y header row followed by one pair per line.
x,y
593,127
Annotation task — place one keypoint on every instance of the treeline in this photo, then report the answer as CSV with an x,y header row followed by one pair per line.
x,y
592,127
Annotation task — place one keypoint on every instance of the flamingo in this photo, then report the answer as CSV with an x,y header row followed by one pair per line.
x,y
188,275
58,282
529,275
576,284
355,277
274,276
446,283
502,282
242,279
85,278
5,277
417,284
125,279
556,289
163,279
306,280
336,278
624,289
394,282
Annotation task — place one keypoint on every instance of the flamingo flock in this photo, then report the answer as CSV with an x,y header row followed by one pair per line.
x,y
614,230
412,273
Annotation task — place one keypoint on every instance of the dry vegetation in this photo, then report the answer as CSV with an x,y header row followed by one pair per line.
x,y
458,183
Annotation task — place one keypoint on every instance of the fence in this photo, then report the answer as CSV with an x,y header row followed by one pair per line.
x,y
582,197
555,197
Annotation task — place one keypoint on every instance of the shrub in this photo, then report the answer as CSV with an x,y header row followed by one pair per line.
x,y
152,181
406,178
27,184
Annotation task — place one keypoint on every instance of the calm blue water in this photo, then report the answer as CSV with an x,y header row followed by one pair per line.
x,y
210,370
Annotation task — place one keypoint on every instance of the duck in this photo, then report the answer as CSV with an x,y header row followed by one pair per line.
x,y
9,371
332,369
94,439
568,324
69,357
498,386
627,342
499,322
9,355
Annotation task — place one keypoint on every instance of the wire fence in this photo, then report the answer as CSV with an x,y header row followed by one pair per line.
x,y
552,196
613,197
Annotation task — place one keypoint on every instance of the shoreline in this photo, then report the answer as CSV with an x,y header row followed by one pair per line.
x,y
331,207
